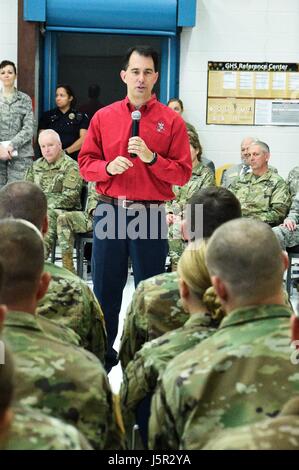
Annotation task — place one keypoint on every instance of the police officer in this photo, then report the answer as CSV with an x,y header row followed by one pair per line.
x,y
70,124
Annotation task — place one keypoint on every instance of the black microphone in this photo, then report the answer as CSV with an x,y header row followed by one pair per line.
x,y
136,116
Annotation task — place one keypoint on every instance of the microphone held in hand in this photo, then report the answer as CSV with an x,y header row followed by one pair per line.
x,y
136,116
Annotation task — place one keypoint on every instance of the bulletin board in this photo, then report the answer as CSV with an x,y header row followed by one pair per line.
x,y
247,93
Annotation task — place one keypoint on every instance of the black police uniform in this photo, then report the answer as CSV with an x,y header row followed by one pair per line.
x,y
67,125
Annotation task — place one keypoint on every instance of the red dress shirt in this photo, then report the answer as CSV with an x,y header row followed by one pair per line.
x,y
163,131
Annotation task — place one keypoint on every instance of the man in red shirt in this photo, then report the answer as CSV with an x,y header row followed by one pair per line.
x,y
133,175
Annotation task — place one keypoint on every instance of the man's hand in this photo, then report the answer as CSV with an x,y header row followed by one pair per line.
x,y
289,224
4,153
118,166
138,146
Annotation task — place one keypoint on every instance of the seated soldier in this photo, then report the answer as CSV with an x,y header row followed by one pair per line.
x,y
263,194
58,176
72,222
278,433
201,177
239,171
288,232
242,373
293,181
62,380
141,375
155,307
68,301
22,428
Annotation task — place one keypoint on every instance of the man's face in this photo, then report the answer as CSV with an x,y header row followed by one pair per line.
x,y
258,159
50,147
140,77
244,150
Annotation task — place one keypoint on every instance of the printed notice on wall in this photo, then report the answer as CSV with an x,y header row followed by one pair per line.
x,y
278,112
260,93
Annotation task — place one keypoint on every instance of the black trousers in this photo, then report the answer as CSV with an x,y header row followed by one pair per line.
x,y
121,233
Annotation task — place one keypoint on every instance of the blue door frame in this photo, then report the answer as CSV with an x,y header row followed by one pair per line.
x,y
169,67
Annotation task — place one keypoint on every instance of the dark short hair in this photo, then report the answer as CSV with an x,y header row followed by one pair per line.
x,y
146,51
4,63
69,91
23,200
219,206
21,272
174,100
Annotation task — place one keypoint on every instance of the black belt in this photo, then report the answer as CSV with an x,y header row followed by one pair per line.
x,y
127,203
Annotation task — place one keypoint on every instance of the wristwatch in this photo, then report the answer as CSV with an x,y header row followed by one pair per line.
x,y
155,157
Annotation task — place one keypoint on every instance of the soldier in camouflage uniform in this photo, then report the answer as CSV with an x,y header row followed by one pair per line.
x,y
141,375
243,372
23,428
16,127
58,378
58,176
68,301
201,177
280,433
263,194
156,307
293,181
70,223
239,171
288,232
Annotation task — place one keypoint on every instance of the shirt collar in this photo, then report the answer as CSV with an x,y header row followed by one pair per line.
x,y
148,105
22,320
255,313
200,319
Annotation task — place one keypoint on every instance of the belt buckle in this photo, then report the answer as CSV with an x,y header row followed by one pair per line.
x,y
126,203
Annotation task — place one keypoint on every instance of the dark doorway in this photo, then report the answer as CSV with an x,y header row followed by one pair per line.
x,y
85,59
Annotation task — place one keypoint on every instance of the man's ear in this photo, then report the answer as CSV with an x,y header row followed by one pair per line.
x,y
3,311
123,74
285,260
6,419
45,226
295,330
43,285
220,288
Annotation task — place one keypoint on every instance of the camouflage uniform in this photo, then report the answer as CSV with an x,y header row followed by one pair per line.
x,y
293,181
33,430
240,375
263,197
155,309
16,126
73,222
285,236
280,433
141,375
202,177
62,184
70,302
62,380
232,174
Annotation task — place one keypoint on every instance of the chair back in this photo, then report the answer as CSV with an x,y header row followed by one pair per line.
x,y
220,172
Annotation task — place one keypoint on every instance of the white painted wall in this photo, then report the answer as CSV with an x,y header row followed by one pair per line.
x,y
238,30
9,30
226,30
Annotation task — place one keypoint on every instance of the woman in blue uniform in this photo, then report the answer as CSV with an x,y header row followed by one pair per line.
x,y
70,124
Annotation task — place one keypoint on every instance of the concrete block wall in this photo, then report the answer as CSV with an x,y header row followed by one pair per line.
x,y
238,30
